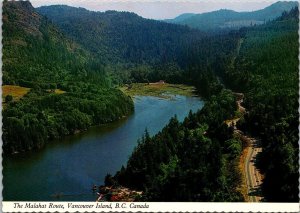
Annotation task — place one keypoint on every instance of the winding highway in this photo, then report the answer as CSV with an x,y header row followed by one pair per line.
x,y
252,174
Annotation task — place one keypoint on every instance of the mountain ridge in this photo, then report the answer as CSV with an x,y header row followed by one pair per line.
x,y
116,36
230,19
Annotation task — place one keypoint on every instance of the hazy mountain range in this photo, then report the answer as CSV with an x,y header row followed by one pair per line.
x,y
229,19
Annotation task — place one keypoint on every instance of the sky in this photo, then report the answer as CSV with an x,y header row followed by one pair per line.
x,y
161,9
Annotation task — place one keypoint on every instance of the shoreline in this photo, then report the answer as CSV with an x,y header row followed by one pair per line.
x,y
158,89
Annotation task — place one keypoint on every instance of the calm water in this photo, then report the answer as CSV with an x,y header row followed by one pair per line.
x,y
71,166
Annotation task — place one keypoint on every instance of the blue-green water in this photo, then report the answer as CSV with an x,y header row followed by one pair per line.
x,y
71,166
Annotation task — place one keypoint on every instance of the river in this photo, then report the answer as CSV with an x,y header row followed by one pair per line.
x,y
69,167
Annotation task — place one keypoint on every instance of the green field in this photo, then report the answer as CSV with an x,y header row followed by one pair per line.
x,y
162,90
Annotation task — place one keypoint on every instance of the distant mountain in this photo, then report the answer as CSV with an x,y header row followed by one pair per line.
x,y
121,36
180,17
229,19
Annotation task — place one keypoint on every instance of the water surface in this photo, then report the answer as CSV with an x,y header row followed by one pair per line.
x,y
71,166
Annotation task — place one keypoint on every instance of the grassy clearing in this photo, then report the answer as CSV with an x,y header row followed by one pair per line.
x,y
162,90
16,92
57,91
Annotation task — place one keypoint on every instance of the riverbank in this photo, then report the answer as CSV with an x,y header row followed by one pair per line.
x,y
71,165
158,89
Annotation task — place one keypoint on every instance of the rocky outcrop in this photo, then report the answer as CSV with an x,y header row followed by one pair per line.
x,y
118,194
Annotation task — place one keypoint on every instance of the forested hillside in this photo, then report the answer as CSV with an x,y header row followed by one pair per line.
x,y
121,36
68,90
146,50
131,48
197,160
266,69
30,41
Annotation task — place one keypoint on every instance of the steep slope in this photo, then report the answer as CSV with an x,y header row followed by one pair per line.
x,y
35,52
229,19
121,36
65,89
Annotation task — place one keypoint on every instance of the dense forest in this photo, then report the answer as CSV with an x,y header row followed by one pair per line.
x,y
266,69
121,37
37,56
197,160
131,48
73,59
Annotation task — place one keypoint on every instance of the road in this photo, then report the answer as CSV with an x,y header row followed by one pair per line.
x,y
253,176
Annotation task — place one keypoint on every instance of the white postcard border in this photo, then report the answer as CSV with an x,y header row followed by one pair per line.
x,y
147,207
